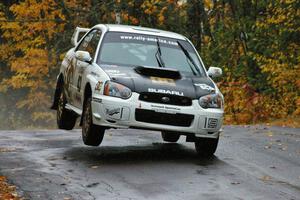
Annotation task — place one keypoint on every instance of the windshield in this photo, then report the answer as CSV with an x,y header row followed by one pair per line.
x,y
130,49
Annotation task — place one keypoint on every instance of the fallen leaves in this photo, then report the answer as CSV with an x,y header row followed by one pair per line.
x,y
290,121
269,134
266,178
283,148
92,185
6,150
7,192
275,142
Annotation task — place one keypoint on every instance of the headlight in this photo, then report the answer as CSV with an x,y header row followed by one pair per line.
x,y
116,90
212,101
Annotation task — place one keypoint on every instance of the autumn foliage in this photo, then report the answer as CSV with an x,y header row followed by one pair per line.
x,y
256,43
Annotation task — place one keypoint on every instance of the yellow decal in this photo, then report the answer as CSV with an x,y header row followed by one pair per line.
x,y
160,80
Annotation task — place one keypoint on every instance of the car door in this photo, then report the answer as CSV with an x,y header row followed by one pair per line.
x,y
89,44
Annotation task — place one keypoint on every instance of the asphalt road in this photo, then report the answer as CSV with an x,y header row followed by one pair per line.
x,y
252,162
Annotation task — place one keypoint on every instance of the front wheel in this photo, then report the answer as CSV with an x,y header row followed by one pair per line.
x,y
65,118
168,136
92,134
206,147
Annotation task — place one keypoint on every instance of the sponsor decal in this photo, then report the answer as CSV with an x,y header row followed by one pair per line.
x,y
79,83
163,91
211,123
148,39
157,106
69,76
95,74
160,80
78,97
171,108
109,65
81,70
113,111
121,74
98,86
165,107
97,100
204,86
114,72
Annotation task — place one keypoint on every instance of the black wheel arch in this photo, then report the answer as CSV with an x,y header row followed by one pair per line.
x,y
58,89
87,93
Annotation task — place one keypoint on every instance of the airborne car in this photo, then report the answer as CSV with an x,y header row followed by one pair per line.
x,y
120,76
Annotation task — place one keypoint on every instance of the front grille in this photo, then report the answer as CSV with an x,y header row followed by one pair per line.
x,y
151,116
165,99
211,123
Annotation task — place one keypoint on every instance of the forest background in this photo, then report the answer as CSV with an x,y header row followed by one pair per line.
x,y
255,42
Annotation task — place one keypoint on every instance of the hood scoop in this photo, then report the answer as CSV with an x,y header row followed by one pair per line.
x,y
158,72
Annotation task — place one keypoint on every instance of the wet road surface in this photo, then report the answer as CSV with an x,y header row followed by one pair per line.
x,y
251,162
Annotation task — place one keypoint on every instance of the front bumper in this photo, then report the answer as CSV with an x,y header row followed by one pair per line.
x,y
134,113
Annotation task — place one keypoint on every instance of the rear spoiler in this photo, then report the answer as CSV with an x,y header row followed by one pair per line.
x,y
78,33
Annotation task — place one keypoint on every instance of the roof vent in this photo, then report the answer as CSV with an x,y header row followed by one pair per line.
x,y
158,72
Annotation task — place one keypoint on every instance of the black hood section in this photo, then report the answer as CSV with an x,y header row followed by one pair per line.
x,y
158,72
142,79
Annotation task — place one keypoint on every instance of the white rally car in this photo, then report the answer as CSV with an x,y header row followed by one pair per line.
x,y
120,76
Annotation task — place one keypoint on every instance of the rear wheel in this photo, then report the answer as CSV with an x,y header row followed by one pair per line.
x,y
168,136
206,147
65,118
91,134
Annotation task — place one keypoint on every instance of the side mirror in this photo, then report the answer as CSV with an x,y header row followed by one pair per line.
x,y
214,72
83,56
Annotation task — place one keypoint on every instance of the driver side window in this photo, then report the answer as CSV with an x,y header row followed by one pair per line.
x,y
90,42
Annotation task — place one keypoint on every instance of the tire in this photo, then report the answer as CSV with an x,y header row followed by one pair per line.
x,y
168,136
65,118
92,134
206,147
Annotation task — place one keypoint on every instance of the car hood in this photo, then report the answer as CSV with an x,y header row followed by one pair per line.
x,y
192,87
